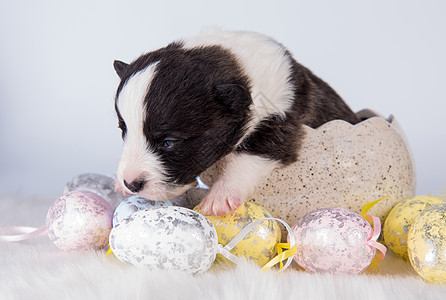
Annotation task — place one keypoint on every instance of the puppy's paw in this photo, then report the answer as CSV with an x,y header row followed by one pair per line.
x,y
219,202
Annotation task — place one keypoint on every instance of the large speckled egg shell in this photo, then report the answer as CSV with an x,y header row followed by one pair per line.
x,y
398,222
100,184
79,220
133,204
166,238
427,243
340,165
259,245
333,240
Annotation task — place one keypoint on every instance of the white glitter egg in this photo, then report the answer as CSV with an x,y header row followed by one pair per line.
x,y
79,220
133,204
166,238
102,185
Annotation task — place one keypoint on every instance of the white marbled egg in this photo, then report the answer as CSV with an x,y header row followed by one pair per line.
x,y
135,203
100,184
166,238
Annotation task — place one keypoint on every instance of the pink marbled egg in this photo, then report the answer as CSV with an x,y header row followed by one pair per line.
x,y
79,220
333,240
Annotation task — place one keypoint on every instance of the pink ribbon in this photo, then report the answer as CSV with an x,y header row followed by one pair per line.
x,y
20,233
372,242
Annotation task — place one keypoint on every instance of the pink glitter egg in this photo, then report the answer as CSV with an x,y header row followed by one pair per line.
x,y
333,240
79,220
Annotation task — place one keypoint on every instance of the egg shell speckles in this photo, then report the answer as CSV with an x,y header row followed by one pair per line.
x,y
340,165
100,184
79,220
333,240
133,204
166,238
427,243
397,225
259,245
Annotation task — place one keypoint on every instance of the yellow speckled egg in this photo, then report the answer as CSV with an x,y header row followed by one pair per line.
x,y
259,244
398,222
427,243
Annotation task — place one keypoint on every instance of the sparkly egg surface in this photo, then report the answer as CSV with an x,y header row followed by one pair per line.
x,y
100,184
133,204
427,243
398,222
333,240
79,220
166,238
259,244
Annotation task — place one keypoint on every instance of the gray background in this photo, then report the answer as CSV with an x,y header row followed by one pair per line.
x,y
57,82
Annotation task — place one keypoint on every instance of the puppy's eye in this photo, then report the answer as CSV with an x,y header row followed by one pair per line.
x,y
168,143
123,128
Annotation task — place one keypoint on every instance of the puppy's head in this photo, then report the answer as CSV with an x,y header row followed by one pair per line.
x,y
180,111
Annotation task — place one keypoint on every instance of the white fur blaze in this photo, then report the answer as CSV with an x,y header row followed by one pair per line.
x,y
138,161
241,174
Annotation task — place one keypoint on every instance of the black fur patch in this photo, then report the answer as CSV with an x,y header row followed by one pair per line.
x,y
198,101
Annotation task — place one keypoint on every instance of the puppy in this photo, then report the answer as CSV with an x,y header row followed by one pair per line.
x,y
239,97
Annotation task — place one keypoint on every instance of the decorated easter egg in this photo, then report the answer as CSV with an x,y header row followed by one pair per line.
x,y
100,184
166,238
133,204
79,220
427,243
398,222
259,244
333,240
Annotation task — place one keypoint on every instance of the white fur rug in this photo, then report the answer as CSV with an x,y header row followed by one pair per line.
x,y
36,269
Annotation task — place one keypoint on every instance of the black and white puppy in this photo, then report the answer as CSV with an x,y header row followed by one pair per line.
x,y
239,97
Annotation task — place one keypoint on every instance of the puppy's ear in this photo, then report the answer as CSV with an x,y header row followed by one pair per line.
x,y
120,67
233,96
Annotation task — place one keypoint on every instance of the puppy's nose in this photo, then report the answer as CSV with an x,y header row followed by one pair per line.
x,y
134,186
